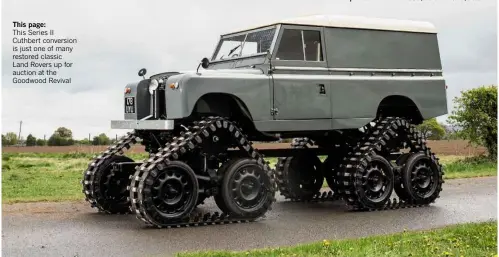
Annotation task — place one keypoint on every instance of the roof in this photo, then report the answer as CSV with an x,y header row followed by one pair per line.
x,y
358,22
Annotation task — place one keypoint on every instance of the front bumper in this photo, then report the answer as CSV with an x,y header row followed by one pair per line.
x,y
142,124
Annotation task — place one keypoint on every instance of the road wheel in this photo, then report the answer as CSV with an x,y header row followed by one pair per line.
x,y
422,179
110,186
398,185
218,197
375,185
245,188
173,193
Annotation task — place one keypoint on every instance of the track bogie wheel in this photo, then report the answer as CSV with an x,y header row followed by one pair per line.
x,y
303,174
422,178
375,185
245,188
219,200
398,185
110,186
170,193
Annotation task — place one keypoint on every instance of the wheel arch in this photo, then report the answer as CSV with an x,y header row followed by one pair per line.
x,y
223,104
400,106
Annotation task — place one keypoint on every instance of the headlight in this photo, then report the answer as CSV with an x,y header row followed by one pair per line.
x,y
153,86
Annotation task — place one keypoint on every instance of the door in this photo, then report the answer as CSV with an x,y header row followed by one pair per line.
x,y
301,86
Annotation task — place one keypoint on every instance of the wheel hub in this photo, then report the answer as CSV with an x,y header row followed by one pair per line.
x,y
115,185
376,182
247,187
422,176
307,180
172,191
423,179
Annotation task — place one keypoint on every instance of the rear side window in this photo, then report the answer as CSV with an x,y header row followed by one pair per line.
x,y
300,45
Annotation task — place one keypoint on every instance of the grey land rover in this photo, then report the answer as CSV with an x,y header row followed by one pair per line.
x,y
350,89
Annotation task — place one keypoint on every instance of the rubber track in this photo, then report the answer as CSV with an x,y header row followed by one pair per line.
x,y
386,130
88,176
172,151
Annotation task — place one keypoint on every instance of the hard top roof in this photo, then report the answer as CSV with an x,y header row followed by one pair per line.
x,y
358,22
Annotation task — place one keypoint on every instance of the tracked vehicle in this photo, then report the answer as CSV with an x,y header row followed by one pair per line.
x,y
351,89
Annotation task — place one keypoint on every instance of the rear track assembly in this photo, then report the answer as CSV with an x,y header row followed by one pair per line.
x,y
354,181
379,141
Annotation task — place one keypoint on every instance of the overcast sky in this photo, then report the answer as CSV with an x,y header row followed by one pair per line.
x,y
117,38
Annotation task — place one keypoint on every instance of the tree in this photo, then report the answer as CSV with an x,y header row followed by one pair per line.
x,y
431,129
101,139
62,136
476,116
30,140
84,141
64,132
9,139
40,142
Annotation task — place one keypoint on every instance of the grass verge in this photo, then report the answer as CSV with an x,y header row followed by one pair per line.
x,y
29,177
473,239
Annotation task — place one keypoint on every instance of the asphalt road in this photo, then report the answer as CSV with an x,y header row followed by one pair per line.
x,y
73,229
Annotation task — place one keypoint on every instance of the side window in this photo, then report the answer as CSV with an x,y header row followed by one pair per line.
x,y
312,45
300,45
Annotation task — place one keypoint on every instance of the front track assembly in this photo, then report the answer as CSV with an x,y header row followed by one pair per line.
x,y
247,185
165,189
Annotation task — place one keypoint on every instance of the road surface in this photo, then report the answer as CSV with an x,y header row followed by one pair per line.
x,y
73,229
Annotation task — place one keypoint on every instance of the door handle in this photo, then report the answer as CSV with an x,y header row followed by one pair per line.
x,y
322,89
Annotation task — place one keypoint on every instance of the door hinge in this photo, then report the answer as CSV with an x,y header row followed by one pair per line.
x,y
274,111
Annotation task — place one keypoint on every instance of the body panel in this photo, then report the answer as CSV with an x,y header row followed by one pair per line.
x,y
250,86
355,48
301,95
141,97
356,97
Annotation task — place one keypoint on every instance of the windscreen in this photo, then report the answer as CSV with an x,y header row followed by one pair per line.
x,y
251,43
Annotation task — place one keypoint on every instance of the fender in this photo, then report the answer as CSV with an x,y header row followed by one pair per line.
x,y
249,89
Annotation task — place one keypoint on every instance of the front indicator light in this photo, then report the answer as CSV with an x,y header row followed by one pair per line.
x,y
128,90
174,85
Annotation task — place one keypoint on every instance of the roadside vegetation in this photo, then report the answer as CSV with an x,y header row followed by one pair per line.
x,y
28,177
473,239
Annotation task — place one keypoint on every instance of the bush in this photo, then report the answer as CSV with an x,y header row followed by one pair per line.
x,y
476,115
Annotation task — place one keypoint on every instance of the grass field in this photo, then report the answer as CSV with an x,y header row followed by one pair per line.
x,y
28,177
473,239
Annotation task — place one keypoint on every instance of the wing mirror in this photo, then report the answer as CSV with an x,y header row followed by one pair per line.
x,y
204,63
142,73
